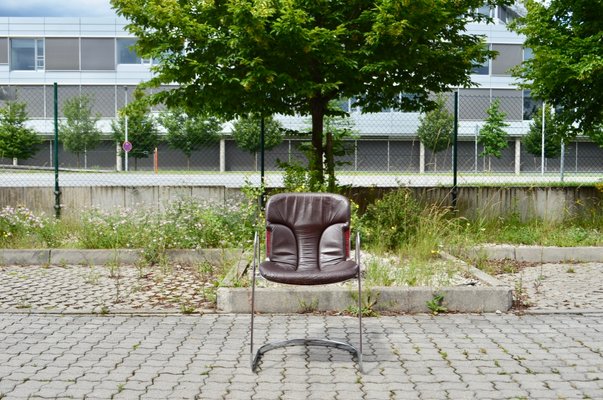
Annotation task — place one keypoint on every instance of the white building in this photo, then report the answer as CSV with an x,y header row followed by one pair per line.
x,y
93,56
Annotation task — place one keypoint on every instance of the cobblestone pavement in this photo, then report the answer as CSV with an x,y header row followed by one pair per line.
x,y
560,287
86,289
78,288
456,356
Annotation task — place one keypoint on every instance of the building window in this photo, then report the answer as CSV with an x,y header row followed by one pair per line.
x,y
3,50
509,56
126,53
27,54
98,54
530,105
483,68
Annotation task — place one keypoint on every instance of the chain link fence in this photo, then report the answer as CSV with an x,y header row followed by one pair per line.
x,y
382,149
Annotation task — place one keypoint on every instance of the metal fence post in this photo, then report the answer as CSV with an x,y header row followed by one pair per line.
x,y
57,190
455,149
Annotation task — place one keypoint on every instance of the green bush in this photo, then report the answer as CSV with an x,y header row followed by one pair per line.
x,y
391,221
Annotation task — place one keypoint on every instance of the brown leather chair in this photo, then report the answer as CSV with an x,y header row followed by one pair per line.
x,y
307,243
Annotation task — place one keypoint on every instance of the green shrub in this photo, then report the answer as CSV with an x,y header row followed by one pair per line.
x,y
391,220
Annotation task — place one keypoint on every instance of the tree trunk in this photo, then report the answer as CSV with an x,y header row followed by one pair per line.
x,y
317,108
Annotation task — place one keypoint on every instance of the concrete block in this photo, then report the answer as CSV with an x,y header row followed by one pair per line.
x,y
499,252
529,253
24,257
212,256
394,299
93,257
578,254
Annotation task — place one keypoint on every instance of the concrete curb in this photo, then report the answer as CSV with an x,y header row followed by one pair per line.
x,y
102,256
392,299
496,296
544,254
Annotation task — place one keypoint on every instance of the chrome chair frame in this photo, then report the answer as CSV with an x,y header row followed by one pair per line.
x,y
255,357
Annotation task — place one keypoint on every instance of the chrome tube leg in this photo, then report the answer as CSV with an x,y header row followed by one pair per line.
x,y
255,258
357,254
360,322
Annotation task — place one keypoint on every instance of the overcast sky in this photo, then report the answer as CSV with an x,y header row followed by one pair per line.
x,y
56,8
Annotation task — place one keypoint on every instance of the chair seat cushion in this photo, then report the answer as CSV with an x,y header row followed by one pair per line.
x,y
286,273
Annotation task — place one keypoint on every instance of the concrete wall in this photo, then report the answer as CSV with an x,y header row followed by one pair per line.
x,y
550,203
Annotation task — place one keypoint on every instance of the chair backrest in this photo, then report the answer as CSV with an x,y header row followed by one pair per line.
x,y
307,231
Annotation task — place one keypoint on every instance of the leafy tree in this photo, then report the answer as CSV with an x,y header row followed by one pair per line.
x,y
189,132
234,57
142,129
79,132
246,133
566,38
553,135
16,140
436,128
492,135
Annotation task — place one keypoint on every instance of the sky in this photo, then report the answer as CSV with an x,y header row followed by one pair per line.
x,y
56,8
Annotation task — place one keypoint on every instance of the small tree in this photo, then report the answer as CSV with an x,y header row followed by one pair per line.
x,y
189,133
492,135
553,136
79,132
436,128
246,133
142,129
16,140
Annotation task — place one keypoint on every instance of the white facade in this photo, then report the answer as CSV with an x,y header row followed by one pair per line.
x,y
84,55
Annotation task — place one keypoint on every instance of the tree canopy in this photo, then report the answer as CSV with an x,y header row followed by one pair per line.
x,y
142,128
16,140
189,132
436,127
566,39
553,135
79,132
246,133
493,135
234,57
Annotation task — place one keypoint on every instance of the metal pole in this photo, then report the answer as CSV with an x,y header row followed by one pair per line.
x,y
126,129
562,166
57,189
476,134
542,141
262,149
455,149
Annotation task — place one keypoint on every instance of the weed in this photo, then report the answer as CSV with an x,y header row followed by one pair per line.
x,y
520,299
539,280
187,308
120,387
570,270
306,307
210,294
369,302
435,304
